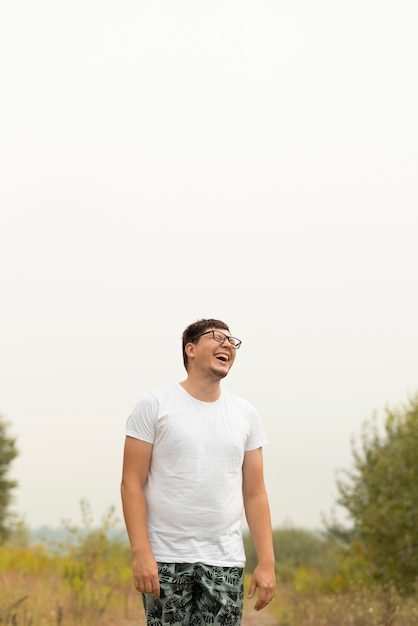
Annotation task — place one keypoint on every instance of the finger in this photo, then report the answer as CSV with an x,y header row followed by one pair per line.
x,y
260,601
143,586
157,590
147,587
252,589
263,600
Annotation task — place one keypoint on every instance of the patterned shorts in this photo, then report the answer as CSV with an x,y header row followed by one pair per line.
x,y
194,594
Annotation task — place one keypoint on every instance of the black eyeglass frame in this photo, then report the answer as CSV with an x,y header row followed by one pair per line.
x,y
228,337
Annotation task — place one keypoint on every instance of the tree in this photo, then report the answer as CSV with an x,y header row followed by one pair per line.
x,y
381,497
8,451
296,548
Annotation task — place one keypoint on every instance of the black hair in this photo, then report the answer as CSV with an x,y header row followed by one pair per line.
x,y
193,330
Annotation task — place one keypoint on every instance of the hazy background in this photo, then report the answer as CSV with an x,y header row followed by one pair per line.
x,y
165,161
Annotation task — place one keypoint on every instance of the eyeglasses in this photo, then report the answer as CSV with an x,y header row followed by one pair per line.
x,y
221,338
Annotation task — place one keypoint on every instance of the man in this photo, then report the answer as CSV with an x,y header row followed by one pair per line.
x,y
192,463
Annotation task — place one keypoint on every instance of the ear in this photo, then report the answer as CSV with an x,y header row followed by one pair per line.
x,y
190,350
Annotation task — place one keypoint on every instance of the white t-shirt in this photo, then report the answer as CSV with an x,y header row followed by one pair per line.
x,y
194,486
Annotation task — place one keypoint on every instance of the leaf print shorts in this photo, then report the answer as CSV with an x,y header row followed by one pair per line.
x,y
194,594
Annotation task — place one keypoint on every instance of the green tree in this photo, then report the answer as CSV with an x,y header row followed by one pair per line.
x,y
380,496
8,451
297,548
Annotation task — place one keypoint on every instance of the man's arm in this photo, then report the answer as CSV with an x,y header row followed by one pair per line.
x,y
257,511
136,463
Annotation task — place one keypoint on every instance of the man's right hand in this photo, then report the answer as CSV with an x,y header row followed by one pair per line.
x,y
145,571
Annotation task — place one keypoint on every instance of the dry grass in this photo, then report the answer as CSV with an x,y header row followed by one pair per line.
x,y
40,590
44,600
368,607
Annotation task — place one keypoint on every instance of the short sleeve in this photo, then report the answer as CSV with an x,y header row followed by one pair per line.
x,y
256,437
141,423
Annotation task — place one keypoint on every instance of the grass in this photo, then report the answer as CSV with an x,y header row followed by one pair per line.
x,y
88,582
369,607
50,597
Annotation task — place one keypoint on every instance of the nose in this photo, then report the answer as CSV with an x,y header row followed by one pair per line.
x,y
228,342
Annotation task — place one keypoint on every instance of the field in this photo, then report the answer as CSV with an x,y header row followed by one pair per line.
x,y
87,581
39,591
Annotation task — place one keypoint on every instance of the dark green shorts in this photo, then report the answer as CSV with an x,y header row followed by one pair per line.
x,y
195,594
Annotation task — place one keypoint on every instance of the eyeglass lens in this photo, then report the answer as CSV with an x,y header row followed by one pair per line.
x,y
220,337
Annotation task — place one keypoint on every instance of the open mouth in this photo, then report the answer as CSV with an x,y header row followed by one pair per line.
x,y
223,358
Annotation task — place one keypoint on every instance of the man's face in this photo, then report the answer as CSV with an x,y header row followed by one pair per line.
x,y
213,353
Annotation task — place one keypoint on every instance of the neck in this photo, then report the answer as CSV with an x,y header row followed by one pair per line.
x,y
202,390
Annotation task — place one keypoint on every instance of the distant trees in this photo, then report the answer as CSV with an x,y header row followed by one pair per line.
x,y
8,451
380,496
297,549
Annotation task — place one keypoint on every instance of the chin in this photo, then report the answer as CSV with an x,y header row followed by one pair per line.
x,y
220,373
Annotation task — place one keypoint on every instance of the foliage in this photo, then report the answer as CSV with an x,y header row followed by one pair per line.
x,y
8,451
380,496
360,607
94,548
89,577
88,582
299,552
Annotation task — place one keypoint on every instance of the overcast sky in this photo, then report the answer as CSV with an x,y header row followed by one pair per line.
x,y
166,161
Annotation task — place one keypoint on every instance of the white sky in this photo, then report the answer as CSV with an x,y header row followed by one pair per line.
x,y
165,161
